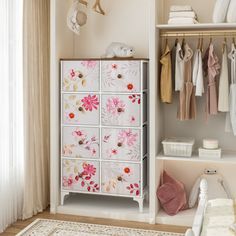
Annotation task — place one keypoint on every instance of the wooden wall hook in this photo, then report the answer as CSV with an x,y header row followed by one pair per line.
x,y
84,2
97,7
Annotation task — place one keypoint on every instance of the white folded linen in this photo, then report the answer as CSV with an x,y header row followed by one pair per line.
x,y
219,218
181,8
182,20
189,14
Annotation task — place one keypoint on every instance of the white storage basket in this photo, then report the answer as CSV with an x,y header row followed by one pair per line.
x,y
210,153
179,147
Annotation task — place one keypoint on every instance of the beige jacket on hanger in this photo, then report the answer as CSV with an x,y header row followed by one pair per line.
x,y
187,100
166,76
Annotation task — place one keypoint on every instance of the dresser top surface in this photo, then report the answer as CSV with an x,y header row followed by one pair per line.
x,y
106,59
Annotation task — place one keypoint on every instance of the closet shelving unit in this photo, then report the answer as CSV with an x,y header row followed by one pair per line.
x,y
166,125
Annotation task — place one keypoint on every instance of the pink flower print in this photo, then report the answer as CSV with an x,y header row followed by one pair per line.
x,y
67,182
89,169
114,151
72,74
90,102
89,64
132,119
114,66
135,98
128,137
94,152
78,133
134,189
106,138
67,149
115,106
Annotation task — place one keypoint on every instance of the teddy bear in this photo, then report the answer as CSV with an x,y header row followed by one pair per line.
x,y
117,49
217,187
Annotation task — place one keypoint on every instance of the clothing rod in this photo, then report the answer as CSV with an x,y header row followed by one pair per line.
x,y
218,33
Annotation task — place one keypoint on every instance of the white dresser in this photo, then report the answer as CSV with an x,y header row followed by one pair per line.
x,y
104,128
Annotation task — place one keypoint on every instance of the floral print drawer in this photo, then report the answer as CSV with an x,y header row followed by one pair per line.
x,y
121,144
121,178
80,75
121,110
121,76
78,175
80,142
80,109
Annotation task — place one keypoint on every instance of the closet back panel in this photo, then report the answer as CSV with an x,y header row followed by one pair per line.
x,y
198,6
214,126
193,171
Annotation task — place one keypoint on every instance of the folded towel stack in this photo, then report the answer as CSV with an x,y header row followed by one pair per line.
x,y
182,15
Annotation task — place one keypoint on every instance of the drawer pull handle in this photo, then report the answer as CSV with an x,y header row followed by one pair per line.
x,y
119,76
119,144
120,110
81,75
81,142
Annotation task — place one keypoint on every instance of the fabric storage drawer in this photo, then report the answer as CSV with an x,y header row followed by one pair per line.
x,y
121,144
121,110
121,76
121,178
80,75
80,142
80,175
80,109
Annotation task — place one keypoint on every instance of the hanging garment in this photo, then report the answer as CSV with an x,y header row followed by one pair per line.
x,y
173,63
198,80
187,100
179,68
166,83
211,67
231,116
223,102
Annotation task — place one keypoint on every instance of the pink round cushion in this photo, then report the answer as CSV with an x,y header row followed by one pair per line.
x,y
172,195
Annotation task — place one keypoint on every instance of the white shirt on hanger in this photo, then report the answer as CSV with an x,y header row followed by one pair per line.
x,y
231,116
198,73
179,68
223,103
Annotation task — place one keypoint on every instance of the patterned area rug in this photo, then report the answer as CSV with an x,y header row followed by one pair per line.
x,y
44,227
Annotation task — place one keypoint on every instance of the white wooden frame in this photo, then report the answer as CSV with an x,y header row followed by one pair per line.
x,y
199,216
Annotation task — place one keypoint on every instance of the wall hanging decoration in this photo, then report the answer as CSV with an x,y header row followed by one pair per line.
x,y
97,7
77,18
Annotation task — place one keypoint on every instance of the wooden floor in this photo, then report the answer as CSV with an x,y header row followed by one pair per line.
x,y
19,225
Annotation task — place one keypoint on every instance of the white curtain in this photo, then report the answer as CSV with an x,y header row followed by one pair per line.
x,y
11,112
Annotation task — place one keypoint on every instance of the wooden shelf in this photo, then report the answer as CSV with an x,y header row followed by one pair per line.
x,y
204,26
227,157
183,218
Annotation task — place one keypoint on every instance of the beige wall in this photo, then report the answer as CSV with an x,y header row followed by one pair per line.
x,y
125,21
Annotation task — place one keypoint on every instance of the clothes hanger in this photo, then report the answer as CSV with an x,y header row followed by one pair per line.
x,y
98,8
202,44
165,43
176,41
223,44
84,2
210,40
199,43
183,42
